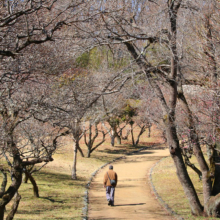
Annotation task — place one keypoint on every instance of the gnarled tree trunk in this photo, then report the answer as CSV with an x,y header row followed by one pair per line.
x,y
169,107
4,182
73,173
16,173
14,207
143,128
35,187
182,174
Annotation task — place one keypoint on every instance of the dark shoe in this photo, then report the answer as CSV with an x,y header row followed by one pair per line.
x,y
109,202
112,204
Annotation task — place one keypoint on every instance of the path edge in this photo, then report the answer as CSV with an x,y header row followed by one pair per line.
x,y
158,197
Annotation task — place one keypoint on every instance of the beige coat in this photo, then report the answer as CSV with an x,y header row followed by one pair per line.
x,y
113,176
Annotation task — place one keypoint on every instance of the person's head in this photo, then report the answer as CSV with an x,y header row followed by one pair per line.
x,y
110,167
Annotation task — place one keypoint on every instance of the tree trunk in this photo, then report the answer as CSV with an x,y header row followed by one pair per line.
x,y
175,151
215,170
117,135
2,212
80,150
35,187
206,178
118,139
25,179
216,186
4,183
173,141
188,163
16,173
92,139
89,152
139,135
170,107
182,174
112,140
127,134
213,206
14,207
132,136
149,131
73,174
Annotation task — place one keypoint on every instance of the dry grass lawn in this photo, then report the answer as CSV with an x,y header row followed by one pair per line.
x,y
61,197
171,190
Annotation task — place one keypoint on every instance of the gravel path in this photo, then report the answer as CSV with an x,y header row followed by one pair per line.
x,y
133,196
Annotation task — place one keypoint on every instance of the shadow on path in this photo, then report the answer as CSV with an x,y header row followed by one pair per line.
x,y
130,204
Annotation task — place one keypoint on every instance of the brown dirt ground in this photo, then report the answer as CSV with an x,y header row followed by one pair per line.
x,y
134,198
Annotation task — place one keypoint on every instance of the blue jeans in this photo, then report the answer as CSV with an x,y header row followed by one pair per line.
x,y
110,193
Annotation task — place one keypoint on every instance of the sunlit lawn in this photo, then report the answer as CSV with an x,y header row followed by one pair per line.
x,y
61,197
171,190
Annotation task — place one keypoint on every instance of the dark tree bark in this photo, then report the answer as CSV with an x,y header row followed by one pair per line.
x,y
2,211
171,132
149,130
125,137
29,169
25,178
143,129
188,163
80,150
14,207
206,178
182,174
214,170
91,140
35,187
132,135
4,183
16,174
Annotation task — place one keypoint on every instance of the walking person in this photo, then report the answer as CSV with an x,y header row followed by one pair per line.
x,y
110,182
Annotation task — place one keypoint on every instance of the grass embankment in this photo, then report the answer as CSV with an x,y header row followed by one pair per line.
x,y
61,197
171,190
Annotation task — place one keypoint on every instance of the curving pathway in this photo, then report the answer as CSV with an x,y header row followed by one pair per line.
x,y
134,198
